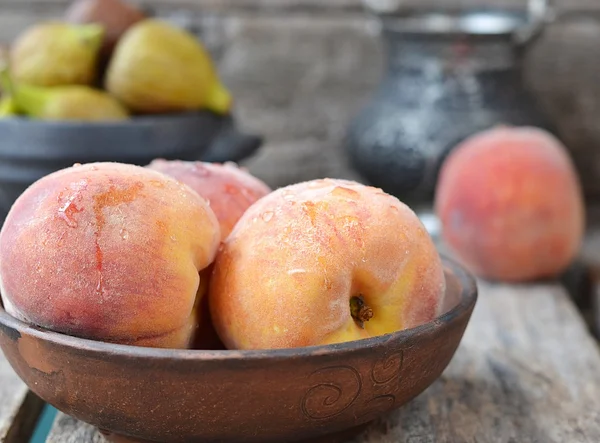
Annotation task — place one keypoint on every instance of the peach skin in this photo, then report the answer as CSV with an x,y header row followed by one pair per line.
x,y
324,261
110,252
510,204
229,189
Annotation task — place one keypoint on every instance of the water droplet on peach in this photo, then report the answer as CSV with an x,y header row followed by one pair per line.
x,y
267,216
124,234
100,285
68,209
342,191
296,271
68,220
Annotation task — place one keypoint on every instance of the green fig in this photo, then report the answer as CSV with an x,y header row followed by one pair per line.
x,y
3,61
8,107
157,67
56,53
69,102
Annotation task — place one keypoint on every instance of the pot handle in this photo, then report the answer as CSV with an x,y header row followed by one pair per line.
x,y
231,144
539,14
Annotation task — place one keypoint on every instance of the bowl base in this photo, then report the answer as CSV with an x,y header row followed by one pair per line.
x,y
338,437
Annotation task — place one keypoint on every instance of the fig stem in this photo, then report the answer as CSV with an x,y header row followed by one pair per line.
x,y
360,311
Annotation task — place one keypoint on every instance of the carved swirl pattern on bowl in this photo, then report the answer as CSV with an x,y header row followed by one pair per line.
x,y
336,388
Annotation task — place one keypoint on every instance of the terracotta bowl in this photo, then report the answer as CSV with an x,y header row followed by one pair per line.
x,y
322,393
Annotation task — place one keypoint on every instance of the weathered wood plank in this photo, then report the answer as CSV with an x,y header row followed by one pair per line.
x,y
321,5
68,430
526,371
19,408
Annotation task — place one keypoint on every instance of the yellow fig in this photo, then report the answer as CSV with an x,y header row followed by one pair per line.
x,y
56,53
69,102
157,67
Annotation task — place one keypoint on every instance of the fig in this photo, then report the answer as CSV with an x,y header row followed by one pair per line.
x,y
3,60
68,102
55,53
8,108
157,67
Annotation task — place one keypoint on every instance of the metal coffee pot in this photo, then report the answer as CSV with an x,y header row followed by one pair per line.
x,y
448,75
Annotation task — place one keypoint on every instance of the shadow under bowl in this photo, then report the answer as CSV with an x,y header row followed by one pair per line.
x,y
315,394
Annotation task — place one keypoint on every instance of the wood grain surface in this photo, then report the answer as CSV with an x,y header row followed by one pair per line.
x,y
18,407
68,430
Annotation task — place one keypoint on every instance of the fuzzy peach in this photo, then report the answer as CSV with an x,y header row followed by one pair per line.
x,y
108,251
510,204
229,189
320,262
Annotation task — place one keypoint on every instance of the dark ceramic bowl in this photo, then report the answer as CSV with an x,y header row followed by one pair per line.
x,y
313,394
30,149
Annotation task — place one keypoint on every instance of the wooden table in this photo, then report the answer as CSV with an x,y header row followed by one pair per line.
x,y
527,370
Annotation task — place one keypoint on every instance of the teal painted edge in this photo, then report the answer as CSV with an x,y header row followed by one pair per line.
x,y
43,425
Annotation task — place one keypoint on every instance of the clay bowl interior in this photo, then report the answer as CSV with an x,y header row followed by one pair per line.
x,y
313,394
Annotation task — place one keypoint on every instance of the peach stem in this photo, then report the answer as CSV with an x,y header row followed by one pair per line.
x,y
360,311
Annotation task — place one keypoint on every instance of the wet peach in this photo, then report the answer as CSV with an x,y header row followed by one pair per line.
x,y
110,252
324,261
510,204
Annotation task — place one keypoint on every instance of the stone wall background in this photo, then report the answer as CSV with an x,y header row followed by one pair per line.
x,y
300,69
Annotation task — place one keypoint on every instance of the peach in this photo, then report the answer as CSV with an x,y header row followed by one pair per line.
x,y
320,262
229,189
510,204
110,252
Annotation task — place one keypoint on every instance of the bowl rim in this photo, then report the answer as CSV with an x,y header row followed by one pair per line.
x,y
135,122
468,299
